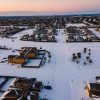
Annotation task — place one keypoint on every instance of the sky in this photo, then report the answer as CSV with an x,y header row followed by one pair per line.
x,y
50,5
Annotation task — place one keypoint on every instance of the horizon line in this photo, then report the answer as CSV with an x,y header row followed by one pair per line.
x,y
35,13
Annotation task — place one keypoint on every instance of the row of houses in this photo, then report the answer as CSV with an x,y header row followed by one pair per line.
x,y
8,31
75,34
41,35
49,21
89,19
27,20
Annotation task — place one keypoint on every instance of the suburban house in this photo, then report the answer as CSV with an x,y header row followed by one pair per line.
x,y
17,59
23,89
23,83
93,89
29,52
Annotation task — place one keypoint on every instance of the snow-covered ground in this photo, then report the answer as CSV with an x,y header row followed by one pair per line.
x,y
67,79
75,25
34,62
96,32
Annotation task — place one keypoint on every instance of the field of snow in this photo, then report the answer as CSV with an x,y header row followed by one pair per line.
x,y
75,25
34,62
67,79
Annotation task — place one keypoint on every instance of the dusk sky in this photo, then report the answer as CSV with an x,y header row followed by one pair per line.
x,y
50,5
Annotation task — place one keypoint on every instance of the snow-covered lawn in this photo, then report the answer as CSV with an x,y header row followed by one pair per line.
x,y
34,62
67,79
75,25
20,34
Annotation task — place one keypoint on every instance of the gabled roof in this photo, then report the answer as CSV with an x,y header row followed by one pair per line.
x,y
23,80
13,93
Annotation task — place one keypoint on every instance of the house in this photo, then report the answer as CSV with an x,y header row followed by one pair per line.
x,y
14,59
93,89
19,60
29,52
23,83
14,94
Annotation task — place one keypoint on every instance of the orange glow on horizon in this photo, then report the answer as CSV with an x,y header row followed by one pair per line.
x,y
49,5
